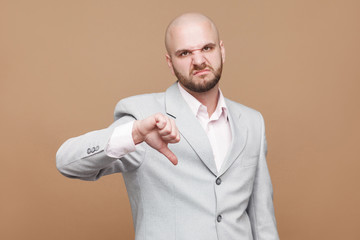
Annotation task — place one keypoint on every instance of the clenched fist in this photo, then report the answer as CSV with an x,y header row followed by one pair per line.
x,y
157,131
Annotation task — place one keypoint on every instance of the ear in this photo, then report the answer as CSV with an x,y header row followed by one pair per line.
x,y
169,63
222,49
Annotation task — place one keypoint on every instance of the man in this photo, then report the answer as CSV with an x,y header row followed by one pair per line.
x,y
216,184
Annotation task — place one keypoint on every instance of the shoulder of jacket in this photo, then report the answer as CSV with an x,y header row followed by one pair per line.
x,y
251,116
134,105
242,108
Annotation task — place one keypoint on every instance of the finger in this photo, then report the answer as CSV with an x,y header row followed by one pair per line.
x,y
176,130
169,154
173,137
169,138
167,130
178,135
160,121
176,140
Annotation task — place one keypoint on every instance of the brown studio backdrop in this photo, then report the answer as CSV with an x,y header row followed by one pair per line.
x,y
65,64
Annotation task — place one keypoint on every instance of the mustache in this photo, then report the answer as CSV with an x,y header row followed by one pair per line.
x,y
200,67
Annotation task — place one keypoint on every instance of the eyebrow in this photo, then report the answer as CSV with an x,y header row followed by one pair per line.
x,y
206,45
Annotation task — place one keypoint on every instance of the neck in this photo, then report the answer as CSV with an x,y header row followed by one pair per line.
x,y
208,98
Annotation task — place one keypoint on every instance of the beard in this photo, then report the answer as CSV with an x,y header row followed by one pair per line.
x,y
190,84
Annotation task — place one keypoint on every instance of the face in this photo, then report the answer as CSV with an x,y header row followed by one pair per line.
x,y
196,56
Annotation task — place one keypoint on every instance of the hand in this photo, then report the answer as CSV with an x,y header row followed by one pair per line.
x,y
157,131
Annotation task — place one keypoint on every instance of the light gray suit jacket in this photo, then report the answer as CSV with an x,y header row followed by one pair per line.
x,y
190,201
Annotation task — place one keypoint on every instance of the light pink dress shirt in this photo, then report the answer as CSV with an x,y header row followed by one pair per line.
x,y
216,126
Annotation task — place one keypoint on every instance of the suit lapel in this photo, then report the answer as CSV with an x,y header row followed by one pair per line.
x,y
239,133
189,126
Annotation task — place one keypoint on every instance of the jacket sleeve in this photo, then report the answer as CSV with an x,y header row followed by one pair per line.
x,y
84,157
260,208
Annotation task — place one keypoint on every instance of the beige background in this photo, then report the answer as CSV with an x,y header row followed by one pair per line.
x,y
65,64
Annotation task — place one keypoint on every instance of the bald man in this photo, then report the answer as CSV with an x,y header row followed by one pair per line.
x,y
193,161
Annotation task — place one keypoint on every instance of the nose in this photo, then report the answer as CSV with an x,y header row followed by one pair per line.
x,y
198,58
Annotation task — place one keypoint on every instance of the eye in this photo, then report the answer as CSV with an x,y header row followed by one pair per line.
x,y
184,53
207,48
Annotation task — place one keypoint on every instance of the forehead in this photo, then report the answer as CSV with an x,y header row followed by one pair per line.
x,y
192,36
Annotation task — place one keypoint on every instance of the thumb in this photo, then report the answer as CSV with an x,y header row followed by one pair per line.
x,y
169,154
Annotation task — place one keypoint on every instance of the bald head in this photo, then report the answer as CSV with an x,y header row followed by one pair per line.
x,y
184,21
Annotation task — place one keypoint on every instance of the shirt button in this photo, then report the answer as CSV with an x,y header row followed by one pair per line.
x,y
218,181
219,218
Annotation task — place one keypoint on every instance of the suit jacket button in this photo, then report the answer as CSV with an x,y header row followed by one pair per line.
x,y
218,181
88,150
97,148
219,218
93,149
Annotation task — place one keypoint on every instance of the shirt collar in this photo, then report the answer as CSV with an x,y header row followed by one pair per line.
x,y
197,107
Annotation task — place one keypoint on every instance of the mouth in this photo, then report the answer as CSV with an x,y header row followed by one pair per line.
x,y
201,72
